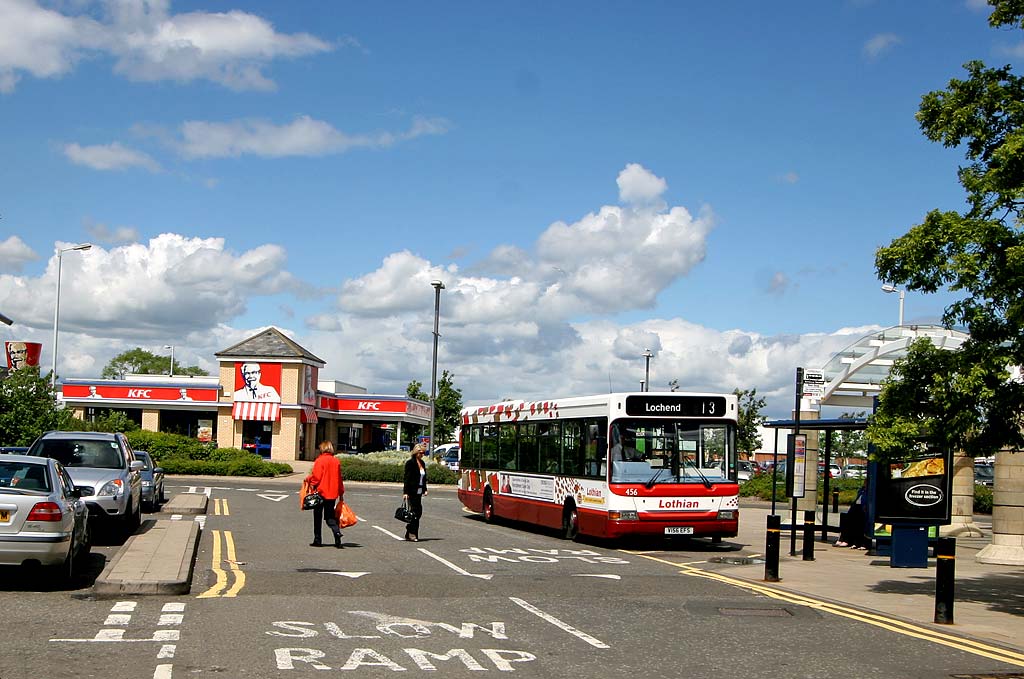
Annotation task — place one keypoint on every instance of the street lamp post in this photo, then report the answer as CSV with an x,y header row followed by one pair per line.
x,y
438,287
171,347
893,288
56,308
647,369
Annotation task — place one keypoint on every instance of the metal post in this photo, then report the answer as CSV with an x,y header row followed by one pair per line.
x,y
808,535
438,287
775,468
945,571
171,347
56,308
771,548
825,489
647,369
835,501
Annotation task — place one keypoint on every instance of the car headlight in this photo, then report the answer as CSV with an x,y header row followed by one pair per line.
x,y
147,484
115,487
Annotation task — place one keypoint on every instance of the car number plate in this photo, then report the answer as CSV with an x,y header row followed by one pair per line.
x,y
5,515
679,530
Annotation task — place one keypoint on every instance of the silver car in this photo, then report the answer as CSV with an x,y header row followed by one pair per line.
x,y
43,519
104,469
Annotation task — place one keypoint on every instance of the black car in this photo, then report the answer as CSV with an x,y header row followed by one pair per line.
x,y
984,474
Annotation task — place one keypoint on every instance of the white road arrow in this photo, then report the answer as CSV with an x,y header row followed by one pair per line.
x,y
353,574
275,498
597,575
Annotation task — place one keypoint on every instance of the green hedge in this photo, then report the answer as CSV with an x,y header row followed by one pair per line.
x,y
185,455
760,486
357,468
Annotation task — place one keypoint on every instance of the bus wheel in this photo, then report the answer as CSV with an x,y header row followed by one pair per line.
x,y
488,508
570,522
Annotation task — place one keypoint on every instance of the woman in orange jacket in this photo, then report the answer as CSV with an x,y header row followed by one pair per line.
x,y
326,478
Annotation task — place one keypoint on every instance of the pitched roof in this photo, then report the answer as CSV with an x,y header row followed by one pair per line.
x,y
270,343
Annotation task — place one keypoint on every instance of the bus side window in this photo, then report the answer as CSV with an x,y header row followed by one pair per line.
x,y
572,448
528,447
596,446
489,447
549,447
507,447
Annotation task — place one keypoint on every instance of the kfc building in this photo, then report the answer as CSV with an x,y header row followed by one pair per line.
x,y
267,397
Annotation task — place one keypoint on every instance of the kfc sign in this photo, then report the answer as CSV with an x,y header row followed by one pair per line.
x,y
125,393
363,405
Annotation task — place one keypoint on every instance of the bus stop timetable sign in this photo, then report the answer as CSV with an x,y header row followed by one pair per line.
x,y
669,404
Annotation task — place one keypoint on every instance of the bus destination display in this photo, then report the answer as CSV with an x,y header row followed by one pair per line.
x,y
669,404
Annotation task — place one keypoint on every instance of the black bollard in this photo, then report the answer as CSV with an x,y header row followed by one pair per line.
x,y
835,501
945,571
808,535
771,548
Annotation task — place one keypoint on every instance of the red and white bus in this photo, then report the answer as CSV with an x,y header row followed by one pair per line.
x,y
672,470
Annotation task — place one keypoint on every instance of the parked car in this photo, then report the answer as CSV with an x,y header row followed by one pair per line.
x,y
985,474
835,471
451,459
152,482
854,471
744,470
43,519
18,450
103,467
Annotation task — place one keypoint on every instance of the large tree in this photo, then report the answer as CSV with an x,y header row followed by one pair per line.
x,y
27,408
748,440
970,399
138,361
446,408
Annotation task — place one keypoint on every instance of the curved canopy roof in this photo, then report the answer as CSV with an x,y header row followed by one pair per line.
x,y
854,376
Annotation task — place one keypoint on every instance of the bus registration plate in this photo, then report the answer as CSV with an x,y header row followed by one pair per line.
x,y
679,530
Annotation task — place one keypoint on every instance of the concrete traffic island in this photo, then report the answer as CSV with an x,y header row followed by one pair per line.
x,y
159,560
186,503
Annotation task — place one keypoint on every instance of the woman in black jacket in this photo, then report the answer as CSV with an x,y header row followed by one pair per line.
x,y
414,487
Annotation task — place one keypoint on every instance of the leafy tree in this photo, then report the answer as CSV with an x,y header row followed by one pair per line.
x,y
848,442
27,408
748,420
966,400
138,361
447,408
415,390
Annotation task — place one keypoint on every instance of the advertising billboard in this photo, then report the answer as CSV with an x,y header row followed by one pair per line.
x,y
22,354
916,490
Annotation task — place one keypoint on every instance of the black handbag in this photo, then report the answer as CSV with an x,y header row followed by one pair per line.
x,y
404,514
312,500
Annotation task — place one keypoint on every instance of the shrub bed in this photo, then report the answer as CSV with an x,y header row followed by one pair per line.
x,y
185,455
365,468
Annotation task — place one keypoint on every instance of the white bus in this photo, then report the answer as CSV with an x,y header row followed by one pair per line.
x,y
672,464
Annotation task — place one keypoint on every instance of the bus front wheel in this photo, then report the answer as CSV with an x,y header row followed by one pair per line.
x,y
570,522
488,508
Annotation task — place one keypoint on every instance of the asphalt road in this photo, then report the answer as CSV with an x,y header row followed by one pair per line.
x,y
468,598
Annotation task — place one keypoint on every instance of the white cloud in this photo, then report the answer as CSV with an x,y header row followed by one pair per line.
x,y
147,42
304,136
880,44
109,157
639,185
15,253
168,286
104,234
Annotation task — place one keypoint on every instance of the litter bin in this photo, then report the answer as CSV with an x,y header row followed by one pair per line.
x,y
909,547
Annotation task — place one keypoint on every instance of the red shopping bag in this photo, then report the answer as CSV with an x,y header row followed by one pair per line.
x,y
345,516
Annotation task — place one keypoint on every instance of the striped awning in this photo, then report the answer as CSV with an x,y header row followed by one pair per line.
x,y
309,415
256,410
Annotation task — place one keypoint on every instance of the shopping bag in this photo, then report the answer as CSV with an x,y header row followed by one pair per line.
x,y
312,500
344,515
404,514
306,489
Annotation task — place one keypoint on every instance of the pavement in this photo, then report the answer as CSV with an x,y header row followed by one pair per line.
x,y
988,599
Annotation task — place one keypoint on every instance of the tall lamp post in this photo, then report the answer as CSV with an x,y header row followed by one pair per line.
x,y
647,369
56,308
438,287
893,288
5,320
171,347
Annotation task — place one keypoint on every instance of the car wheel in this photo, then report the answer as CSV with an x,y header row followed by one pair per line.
x,y
160,499
570,522
69,569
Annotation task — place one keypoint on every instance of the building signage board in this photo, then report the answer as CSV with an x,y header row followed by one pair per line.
x,y
138,393
918,490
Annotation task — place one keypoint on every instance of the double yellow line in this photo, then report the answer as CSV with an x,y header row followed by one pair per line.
x,y
884,622
220,507
219,588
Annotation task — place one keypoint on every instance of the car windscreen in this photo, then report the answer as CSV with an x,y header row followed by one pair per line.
x,y
144,458
81,453
24,475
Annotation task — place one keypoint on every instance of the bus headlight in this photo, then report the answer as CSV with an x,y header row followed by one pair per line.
x,y
626,515
726,514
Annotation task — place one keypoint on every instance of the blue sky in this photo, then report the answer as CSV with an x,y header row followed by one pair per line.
x,y
590,179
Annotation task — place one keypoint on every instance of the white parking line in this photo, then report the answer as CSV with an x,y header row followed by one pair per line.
x,y
558,623
454,567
